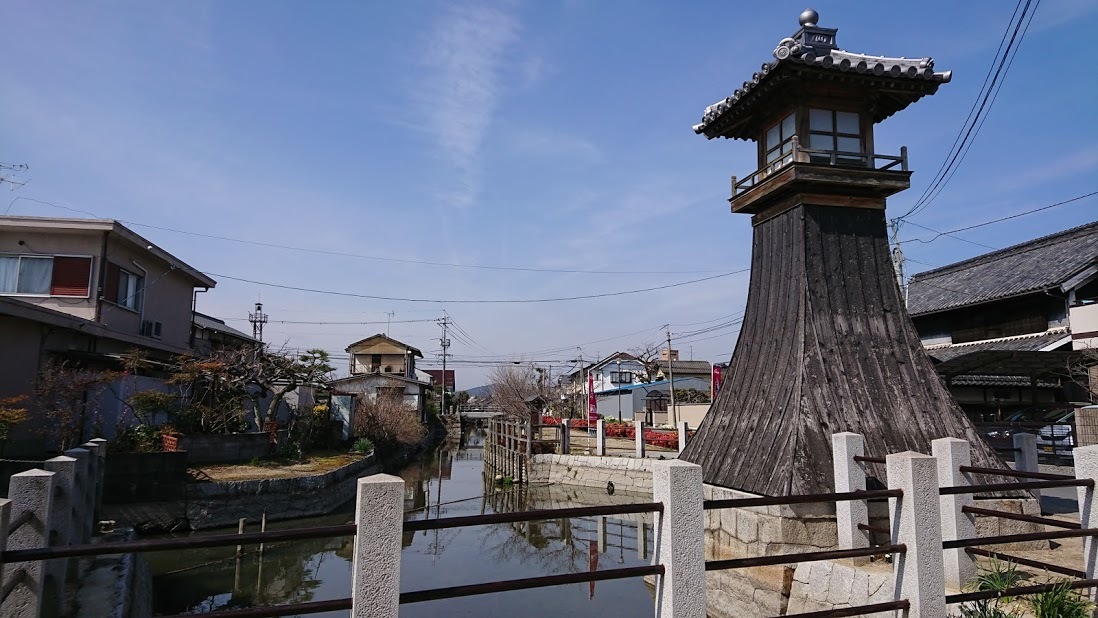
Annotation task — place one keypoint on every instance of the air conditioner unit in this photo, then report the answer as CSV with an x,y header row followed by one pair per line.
x,y
151,328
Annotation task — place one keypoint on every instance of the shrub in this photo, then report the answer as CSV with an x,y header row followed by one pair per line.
x,y
363,445
387,422
138,439
12,412
1060,602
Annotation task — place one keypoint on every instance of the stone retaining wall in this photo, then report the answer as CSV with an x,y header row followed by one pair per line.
x,y
767,531
627,474
220,504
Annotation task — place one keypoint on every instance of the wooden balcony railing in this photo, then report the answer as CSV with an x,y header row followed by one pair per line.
x,y
873,161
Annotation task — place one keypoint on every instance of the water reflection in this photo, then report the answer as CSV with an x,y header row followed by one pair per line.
x,y
446,483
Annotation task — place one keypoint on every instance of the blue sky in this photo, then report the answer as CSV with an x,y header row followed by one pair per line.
x,y
543,135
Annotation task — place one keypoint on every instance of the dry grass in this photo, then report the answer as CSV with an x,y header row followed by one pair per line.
x,y
314,463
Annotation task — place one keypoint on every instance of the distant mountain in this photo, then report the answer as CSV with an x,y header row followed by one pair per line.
x,y
479,392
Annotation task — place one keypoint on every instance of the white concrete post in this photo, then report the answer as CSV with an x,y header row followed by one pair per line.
x,y
379,515
565,437
600,438
61,531
91,490
1086,467
680,591
952,453
916,522
31,492
638,437
849,476
600,533
101,472
79,517
682,435
1025,457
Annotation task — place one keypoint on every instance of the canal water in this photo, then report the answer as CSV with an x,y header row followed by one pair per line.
x,y
448,482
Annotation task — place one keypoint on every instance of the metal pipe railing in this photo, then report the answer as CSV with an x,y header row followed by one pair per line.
x,y
292,609
1045,476
731,503
971,489
812,556
219,540
865,459
858,610
1033,519
1018,591
521,516
1053,568
527,583
1004,539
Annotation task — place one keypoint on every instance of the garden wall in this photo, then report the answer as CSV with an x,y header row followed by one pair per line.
x,y
227,448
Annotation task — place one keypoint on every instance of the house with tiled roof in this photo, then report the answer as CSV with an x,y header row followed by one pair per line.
x,y
1003,327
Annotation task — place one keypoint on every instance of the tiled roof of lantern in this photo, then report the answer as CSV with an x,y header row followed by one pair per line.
x,y
896,81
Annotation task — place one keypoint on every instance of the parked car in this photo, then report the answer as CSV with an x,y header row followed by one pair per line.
x,y
1000,434
1058,437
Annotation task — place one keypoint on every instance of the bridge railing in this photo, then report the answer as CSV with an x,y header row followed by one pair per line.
x,y
929,497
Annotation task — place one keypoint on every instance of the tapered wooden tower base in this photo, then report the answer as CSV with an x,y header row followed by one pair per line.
x,y
826,346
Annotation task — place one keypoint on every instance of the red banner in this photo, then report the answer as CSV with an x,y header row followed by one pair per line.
x,y
592,403
716,382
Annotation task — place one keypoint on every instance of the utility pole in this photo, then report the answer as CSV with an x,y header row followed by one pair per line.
x,y
898,258
673,414
258,319
445,343
388,320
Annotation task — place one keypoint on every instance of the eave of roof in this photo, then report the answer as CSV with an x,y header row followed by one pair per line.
x,y
23,310
366,376
114,227
1034,266
720,118
211,323
386,338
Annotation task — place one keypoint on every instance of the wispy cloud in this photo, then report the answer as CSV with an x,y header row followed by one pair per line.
x,y
462,88
554,143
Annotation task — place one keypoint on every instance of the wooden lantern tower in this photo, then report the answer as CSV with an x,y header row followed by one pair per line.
x,y
826,343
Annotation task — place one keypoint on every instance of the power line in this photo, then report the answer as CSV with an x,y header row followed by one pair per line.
x,y
474,300
940,234
268,245
979,109
330,323
993,221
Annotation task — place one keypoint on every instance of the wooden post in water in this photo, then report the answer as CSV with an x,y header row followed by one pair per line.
x,y
240,530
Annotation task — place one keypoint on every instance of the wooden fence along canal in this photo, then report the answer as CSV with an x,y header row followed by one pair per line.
x,y
920,510
511,443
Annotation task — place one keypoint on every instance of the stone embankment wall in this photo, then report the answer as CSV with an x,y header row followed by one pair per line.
x,y
767,531
628,474
219,504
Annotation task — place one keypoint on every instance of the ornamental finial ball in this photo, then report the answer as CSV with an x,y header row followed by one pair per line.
x,y
809,18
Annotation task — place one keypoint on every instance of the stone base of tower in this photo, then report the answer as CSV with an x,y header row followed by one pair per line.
x,y
810,586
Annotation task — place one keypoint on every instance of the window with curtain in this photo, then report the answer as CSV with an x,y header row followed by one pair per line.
x,y
131,288
44,275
